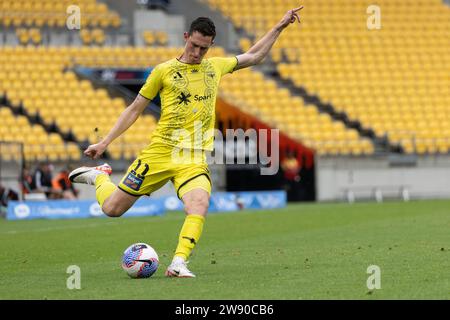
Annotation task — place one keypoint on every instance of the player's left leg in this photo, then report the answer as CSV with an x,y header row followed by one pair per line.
x,y
196,203
113,201
195,196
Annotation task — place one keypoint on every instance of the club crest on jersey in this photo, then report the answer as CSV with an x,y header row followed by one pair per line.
x,y
184,98
133,182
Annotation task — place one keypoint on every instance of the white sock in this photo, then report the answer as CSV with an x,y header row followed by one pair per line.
x,y
177,260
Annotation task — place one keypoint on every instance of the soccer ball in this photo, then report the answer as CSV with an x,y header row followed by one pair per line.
x,y
140,260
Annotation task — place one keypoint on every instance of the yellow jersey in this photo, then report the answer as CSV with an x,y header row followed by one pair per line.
x,y
188,97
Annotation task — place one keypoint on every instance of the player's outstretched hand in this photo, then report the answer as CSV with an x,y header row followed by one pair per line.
x,y
290,17
94,151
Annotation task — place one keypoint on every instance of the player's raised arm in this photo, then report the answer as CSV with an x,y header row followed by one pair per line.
x,y
125,120
260,49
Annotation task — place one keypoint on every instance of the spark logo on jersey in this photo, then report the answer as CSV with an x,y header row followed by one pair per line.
x,y
202,98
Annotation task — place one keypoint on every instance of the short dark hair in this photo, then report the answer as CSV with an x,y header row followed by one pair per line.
x,y
203,25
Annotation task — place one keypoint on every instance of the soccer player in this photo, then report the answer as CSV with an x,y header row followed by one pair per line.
x,y
188,88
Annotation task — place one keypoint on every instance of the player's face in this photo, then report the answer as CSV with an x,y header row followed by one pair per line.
x,y
197,45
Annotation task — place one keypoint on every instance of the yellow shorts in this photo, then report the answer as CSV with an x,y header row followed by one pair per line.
x,y
157,165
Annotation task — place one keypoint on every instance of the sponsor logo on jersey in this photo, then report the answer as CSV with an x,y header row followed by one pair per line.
x,y
133,182
202,98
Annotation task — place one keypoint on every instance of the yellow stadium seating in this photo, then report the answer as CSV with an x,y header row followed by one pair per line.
x,y
53,13
62,98
278,108
37,143
393,80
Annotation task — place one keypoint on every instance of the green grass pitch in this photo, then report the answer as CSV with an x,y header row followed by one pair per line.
x,y
304,251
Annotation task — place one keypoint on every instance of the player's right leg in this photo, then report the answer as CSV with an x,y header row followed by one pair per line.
x,y
113,201
118,203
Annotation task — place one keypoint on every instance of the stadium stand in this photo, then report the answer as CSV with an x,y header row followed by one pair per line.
x,y
40,79
393,80
338,59
53,13
34,77
37,143
59,97
253,93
